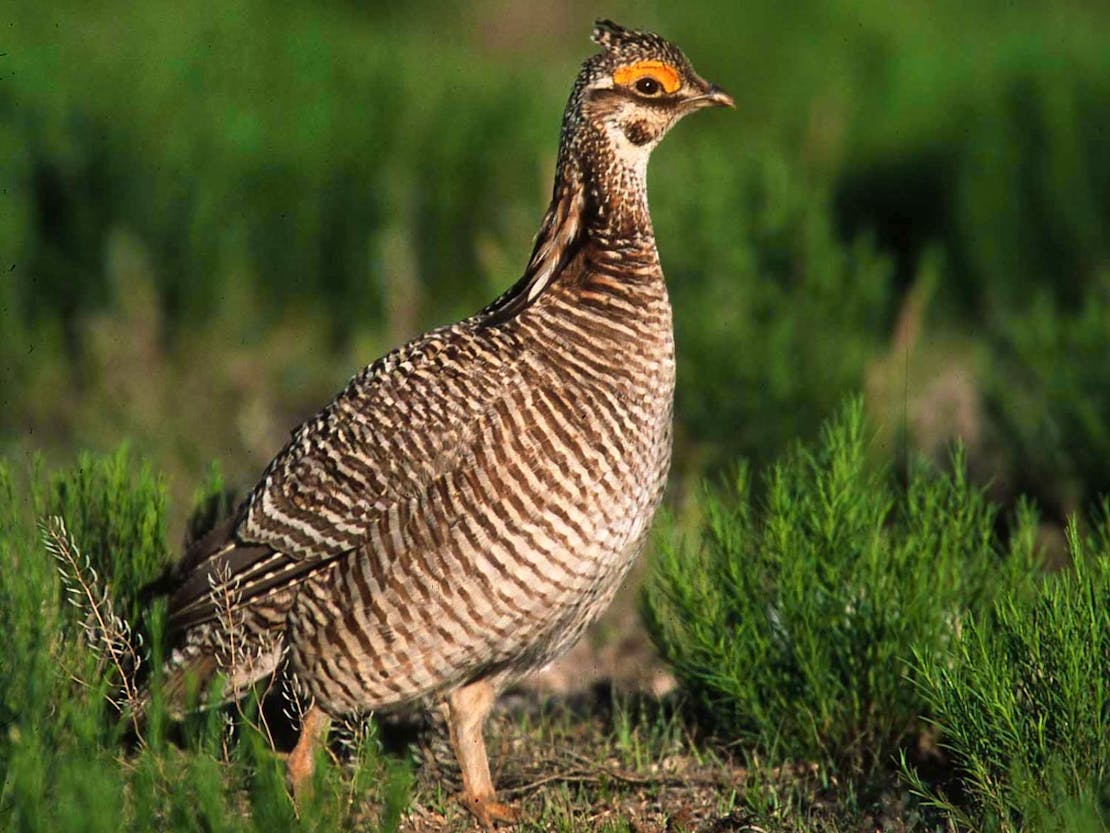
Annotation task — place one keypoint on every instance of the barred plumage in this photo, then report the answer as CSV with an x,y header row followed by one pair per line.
x,y
460,513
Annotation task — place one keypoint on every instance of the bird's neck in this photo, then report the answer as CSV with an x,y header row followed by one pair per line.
x,y
598,204
612,173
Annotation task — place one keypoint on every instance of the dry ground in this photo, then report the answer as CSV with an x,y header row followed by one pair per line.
x,y
607,760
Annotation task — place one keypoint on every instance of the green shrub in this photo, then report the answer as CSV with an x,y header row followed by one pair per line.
x,y
1048,391
185,140
115,509
56,675
1022,697
68,645
775,317
1032,192
791,621
1049,803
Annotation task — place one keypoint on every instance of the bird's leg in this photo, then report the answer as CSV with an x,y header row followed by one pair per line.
x,y
467,709
302,760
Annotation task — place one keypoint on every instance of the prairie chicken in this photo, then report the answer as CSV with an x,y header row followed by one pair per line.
x,y
470,502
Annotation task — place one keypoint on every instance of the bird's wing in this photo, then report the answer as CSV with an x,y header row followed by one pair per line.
x,y
401,423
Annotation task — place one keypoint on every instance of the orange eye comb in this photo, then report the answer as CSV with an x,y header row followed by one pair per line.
x,y
665,74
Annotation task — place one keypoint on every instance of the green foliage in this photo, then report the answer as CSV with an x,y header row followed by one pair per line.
x,y
1022,697
1032,204
68,762
204,234
791,620
26,620
1050,398
775,328
213,502
975,128
115,509
254,140
52,689
1050,802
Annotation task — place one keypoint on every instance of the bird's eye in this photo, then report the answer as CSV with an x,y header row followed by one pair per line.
x,y
648,78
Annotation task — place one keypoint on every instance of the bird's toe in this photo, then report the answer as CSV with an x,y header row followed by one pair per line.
x,y
488,811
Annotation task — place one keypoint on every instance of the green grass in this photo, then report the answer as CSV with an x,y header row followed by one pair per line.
x,y
1050,398
839,619
796,313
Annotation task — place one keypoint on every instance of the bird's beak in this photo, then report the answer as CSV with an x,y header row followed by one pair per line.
x,y
713,96
719,98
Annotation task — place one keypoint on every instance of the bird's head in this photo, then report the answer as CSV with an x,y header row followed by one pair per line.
x,y
633,91
624,101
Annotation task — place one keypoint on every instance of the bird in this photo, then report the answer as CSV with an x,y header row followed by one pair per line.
x,y
470,502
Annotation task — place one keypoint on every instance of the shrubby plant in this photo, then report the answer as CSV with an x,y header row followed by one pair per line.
x,y
792,619
1022,698
114,507
776,328
1049,396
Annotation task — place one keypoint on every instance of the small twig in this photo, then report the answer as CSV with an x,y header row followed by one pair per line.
x,y
234,654
358,731
104,629
271,680
223,588
588,772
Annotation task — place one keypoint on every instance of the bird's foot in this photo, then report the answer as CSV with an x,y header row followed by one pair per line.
x,y
488,811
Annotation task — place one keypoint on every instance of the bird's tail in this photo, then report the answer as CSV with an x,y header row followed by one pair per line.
x,y
201,674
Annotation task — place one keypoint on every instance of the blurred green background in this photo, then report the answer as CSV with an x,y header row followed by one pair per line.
x,y
211,217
